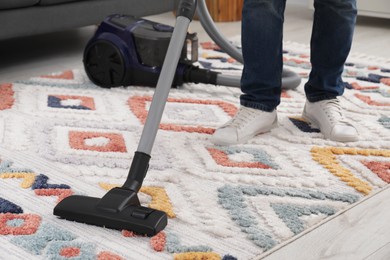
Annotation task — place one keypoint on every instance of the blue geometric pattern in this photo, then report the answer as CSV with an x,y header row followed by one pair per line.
x,y
41,183
87,250
290,214
259,155
232,199
385,121
55,102
9,207
304,126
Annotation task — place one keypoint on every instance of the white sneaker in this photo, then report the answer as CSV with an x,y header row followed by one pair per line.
x,y
328,116
247,123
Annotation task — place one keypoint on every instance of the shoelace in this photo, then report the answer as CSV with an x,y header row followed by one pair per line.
x,y
243,117
334,112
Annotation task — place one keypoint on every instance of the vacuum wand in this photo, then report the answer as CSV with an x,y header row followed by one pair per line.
x,y
164,83
159,100
120,208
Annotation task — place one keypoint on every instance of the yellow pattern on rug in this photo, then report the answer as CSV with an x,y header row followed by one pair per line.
x,y
327,156
28,178
160,199
197,256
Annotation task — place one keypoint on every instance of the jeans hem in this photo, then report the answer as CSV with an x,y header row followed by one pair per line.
x,y
320,98
256,106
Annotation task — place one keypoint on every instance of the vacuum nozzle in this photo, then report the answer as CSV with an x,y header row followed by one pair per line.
x,y
118,209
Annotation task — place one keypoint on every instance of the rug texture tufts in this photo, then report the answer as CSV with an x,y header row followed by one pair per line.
x,y
61,135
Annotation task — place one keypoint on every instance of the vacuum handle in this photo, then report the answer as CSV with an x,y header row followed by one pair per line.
x,y
186,8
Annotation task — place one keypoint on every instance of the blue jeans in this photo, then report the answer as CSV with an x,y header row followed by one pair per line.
x,y
262,35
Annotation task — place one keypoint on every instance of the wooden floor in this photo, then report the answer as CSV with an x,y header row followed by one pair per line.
x,y
362,232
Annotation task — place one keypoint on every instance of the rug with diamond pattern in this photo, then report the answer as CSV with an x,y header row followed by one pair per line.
x,y
61,135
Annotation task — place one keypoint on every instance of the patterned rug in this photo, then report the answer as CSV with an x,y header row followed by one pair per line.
x,y
61,135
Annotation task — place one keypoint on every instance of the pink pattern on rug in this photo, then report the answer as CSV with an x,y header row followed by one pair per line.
x,y
221,158
127,233
386,81
210,46
297,61
357,86
116,142
61,193
6,96
158,241
137,105
109,256
382,169
369,101
29,226
285,94
69,252
68,74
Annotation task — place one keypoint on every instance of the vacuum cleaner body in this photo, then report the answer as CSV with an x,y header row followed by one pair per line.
x,y
130,51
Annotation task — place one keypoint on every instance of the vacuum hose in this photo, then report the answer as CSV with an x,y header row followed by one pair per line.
x,y
290,80
197,75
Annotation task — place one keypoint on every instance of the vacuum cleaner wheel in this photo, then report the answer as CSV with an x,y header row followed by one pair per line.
x,y
104,64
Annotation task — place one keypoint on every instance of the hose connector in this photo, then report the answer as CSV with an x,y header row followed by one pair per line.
x,y
186,8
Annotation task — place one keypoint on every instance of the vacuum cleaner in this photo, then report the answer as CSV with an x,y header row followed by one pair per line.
x,y
120,207
128,51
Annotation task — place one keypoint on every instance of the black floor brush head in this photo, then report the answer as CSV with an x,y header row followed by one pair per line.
x,y
141,220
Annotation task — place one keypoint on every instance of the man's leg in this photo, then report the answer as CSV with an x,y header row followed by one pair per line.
x,y
333,27
262,35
